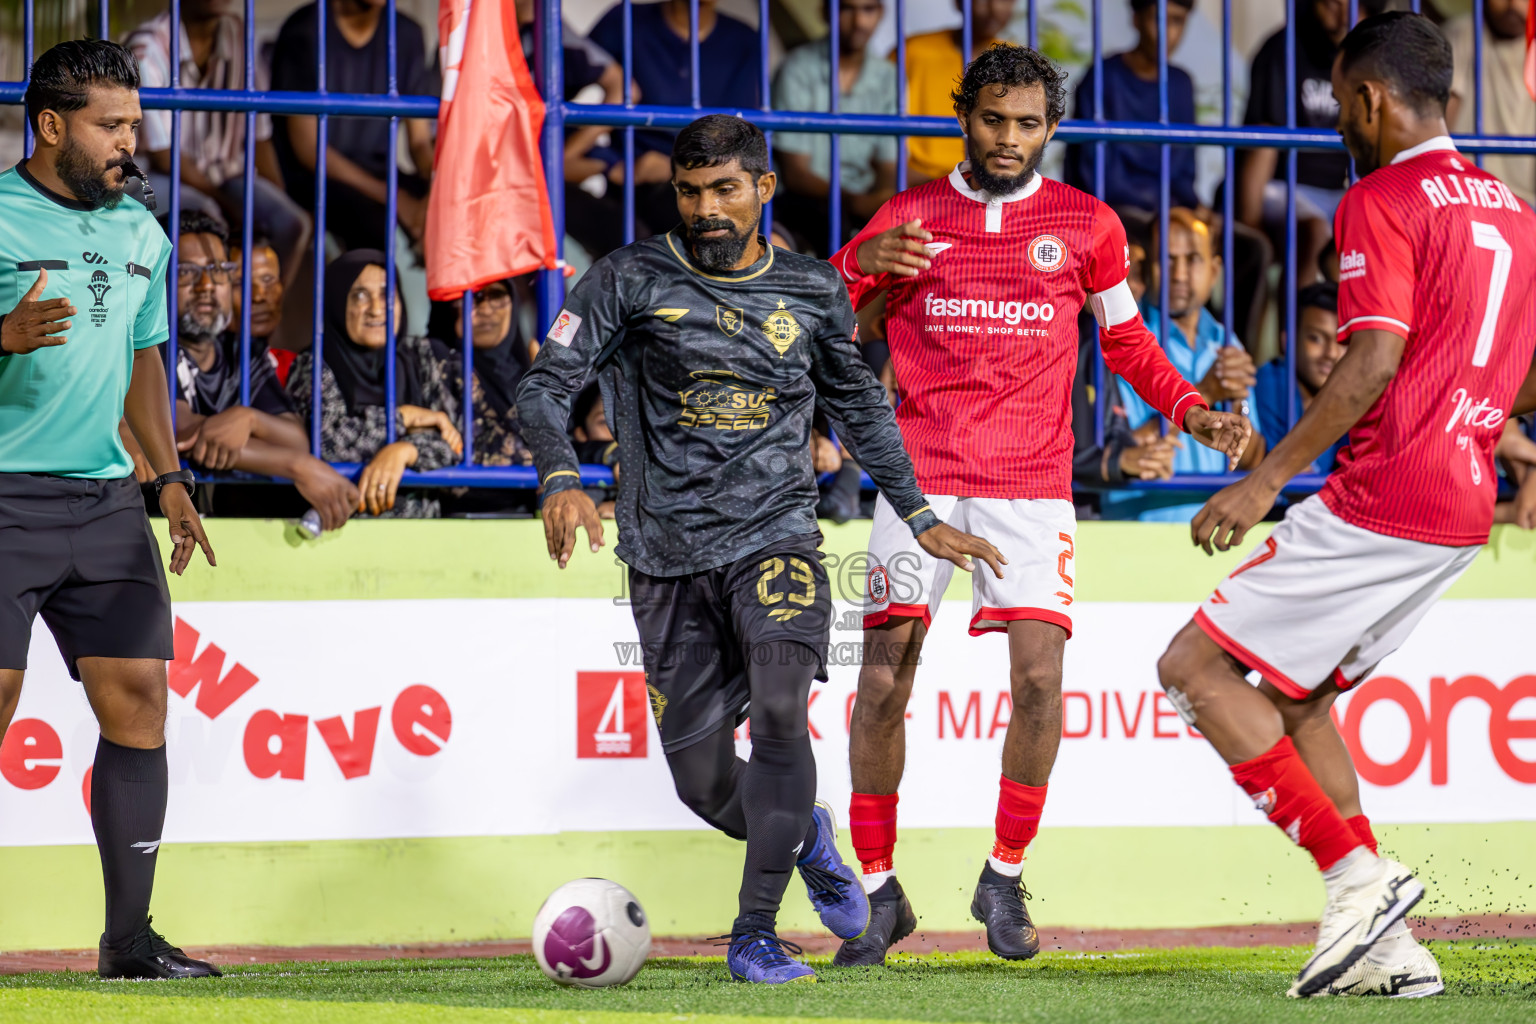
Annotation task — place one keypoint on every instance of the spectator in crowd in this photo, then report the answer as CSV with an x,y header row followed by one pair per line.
x,y
1122,456
1136,269
1321,177
266,300
357,152
781,235
1132,172
1328,262
1319,350
729,76
1201,350
1507,107
1132,178
500,355
214,431
595,444
352,420
934,64
593,218
584,63
866,85
213,143
208,362
838,475
1517,458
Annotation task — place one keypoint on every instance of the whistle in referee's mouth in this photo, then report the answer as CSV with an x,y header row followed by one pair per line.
x,y
131,170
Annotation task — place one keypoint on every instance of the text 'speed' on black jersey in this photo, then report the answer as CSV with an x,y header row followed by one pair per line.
x,y
709,383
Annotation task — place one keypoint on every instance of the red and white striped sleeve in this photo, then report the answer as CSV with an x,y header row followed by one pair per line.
x,y
1129,348
1376,278
861,287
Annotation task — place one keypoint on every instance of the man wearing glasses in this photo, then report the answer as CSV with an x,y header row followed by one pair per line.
x,y
214,431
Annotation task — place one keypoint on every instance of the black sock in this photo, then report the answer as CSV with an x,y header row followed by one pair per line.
x,y
128,791
778,791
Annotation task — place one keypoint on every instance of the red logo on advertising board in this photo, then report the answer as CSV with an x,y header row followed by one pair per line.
x,y
611,712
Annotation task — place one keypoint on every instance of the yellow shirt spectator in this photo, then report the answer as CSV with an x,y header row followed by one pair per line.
x,y
933,71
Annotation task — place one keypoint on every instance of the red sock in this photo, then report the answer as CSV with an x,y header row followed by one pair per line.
x,y
872,823
1361,826
1018,818
1283,788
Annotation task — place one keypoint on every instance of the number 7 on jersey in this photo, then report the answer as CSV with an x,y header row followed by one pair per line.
x,y
1486,236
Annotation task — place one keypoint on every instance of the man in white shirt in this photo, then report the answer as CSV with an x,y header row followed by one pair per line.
x,y
1507,107
213,142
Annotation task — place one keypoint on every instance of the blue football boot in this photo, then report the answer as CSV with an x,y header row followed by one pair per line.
x,y
833,886
763,957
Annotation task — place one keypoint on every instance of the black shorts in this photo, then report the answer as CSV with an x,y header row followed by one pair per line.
x,y
698,633
81,554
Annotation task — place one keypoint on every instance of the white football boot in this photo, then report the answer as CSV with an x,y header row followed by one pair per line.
x,y
1396,967
1370,895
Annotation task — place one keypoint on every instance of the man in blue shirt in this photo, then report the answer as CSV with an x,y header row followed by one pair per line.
x,y
1317,325
1201,350
730,75
1131,172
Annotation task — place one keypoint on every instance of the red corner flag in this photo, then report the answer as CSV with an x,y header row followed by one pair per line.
x,y
488,216
1530,50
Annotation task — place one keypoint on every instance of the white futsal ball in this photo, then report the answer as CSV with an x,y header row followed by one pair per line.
x,y
591,933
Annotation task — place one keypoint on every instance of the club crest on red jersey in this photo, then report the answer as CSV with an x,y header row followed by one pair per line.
x,y
1047,253
879,590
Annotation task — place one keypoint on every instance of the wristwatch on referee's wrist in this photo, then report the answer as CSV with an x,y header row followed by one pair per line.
x,y
181,476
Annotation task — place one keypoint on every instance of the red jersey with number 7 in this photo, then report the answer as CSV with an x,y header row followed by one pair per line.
x,y
984,342
1440,252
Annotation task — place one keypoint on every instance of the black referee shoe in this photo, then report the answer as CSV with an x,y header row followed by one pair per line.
x,y
890,920
149,956
999,904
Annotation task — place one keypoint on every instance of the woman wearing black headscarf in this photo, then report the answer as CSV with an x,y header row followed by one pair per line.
x,y
500,356
353,425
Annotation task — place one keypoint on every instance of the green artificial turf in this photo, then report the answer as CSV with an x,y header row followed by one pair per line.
x,y
1487,981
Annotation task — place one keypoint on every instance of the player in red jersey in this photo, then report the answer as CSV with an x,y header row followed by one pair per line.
x,y
982,303
1437,302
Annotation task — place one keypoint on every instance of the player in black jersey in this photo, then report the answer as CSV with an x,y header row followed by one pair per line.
x,y
712,349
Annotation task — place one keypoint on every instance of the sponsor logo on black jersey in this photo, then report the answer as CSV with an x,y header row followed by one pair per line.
x,y
721,399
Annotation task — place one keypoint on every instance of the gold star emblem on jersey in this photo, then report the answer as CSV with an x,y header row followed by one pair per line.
x,y
729,320
782,329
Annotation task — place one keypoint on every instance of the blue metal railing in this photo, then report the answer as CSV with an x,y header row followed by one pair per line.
x,y
1098,131
1094,130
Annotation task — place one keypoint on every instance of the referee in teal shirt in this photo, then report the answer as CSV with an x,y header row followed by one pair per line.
x,y
82,274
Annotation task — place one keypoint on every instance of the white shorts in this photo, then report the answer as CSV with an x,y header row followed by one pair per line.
x,y
1323,601
1034,534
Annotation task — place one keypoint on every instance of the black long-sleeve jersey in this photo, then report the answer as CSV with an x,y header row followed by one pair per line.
x,y
709,384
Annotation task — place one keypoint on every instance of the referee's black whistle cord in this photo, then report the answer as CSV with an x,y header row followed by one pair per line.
x,y
131,169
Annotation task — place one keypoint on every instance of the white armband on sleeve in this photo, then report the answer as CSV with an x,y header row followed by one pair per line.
x,y
1114,306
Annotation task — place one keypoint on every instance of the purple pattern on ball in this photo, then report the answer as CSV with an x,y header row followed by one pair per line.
x,y
573,943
